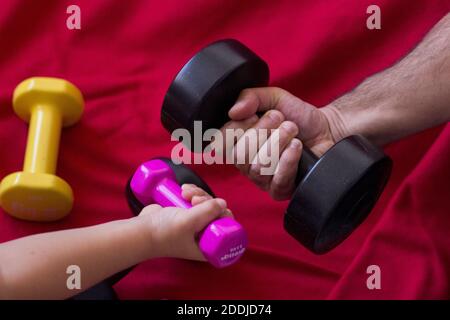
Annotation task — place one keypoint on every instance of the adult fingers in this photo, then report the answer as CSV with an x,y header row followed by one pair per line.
x,y
225,139
247,146
283,180
263,166
251,101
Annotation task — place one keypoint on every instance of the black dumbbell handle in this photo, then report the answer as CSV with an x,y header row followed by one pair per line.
x,y
307,161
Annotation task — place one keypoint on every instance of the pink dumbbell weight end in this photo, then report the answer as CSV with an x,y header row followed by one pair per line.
x,y
222,242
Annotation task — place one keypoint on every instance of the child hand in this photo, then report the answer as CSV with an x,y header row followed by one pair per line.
x,y
174,230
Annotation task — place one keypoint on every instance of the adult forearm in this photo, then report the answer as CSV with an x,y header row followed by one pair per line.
x,y
409,97
35,266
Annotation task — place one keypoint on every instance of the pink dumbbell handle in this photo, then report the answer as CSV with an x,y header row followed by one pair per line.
x,y
168,194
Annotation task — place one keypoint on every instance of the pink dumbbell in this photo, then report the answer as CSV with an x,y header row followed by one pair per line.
x,y
222,242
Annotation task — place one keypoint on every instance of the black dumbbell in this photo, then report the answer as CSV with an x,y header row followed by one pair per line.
x,y
335,192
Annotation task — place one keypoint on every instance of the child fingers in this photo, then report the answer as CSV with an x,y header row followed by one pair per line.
x,y
189,191
201,215
227,213
196,200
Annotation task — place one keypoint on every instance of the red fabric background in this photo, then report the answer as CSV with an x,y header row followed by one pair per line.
x,y
123,60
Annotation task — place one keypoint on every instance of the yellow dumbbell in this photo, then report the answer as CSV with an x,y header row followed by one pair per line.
x,y
36,193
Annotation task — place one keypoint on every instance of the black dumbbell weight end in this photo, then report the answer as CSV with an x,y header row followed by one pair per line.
x,y
336,192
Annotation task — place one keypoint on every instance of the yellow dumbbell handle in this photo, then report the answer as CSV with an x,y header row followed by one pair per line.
x,y
43,140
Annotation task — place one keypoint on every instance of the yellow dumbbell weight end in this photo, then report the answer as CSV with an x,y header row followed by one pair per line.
x,y
35,196
36,193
